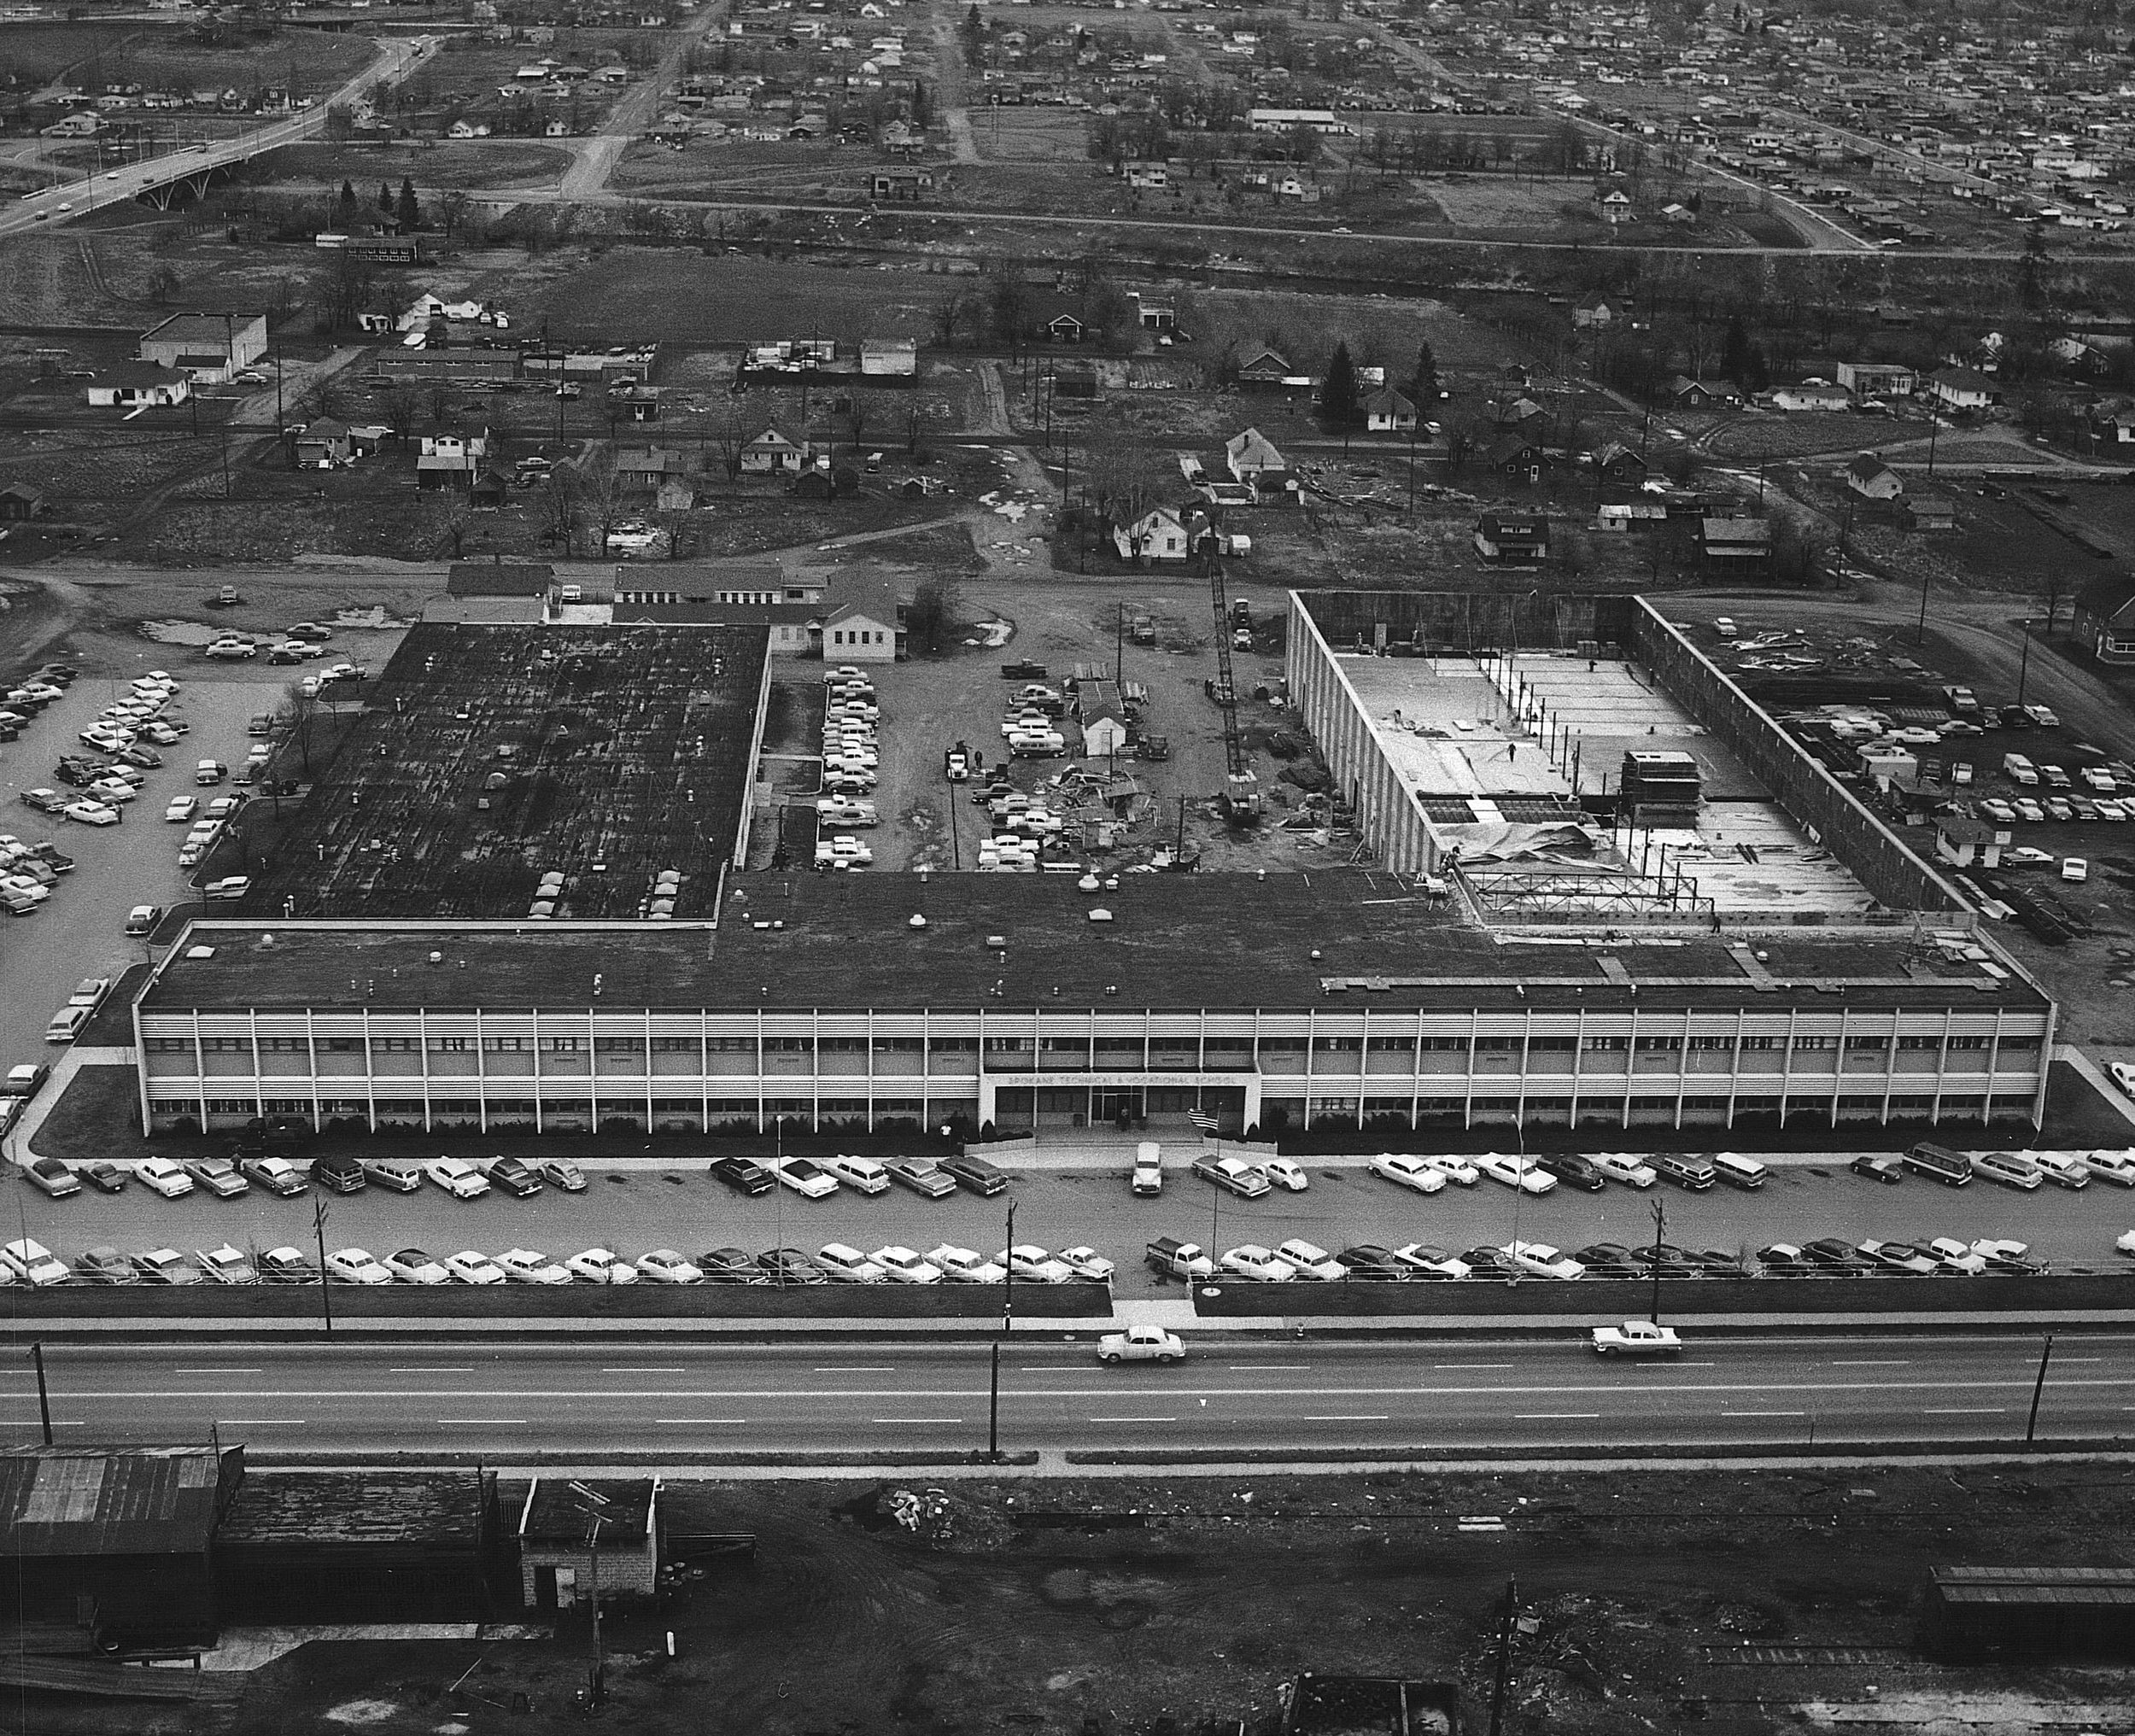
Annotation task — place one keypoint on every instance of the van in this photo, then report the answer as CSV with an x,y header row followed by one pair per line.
x,y
1737,1171
210,771
1686,1169
2021,768
1953,1169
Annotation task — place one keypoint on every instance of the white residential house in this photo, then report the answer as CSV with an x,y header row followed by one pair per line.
x,y
771,451
1248,454
1158,536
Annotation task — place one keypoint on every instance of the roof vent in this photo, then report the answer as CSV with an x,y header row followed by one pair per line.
x,y
200,952
918,920
1099,914
997,941
438,958
267,942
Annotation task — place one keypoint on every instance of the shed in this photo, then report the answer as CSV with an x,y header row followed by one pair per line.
x,y
362,1546
1512,539
18,500
119,1539
557,1556
1966,842
1735,541
1931,512
1978,1615
1104,732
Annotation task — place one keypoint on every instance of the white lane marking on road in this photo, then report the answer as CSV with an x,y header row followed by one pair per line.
x,y
1134,1419
2078,1359
1876,1362
1353,1418
216,1371
1558,1416
1664,1367
942,1420
261,1422
1763,1413
427,1369
1270,1368
696,1421
1472,1367
481,1422
854,1368
1968,1411
645,1370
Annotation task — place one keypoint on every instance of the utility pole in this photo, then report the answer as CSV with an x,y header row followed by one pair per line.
x,y
2031,1425
44,1396
325,1294
594,1505
1502,1689
1008,1326
1660,1235
2023,666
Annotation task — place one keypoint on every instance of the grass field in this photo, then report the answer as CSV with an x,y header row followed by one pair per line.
x,y
485,163
166,57
630,295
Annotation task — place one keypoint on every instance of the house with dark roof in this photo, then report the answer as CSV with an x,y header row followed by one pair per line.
x,y
1962,388
560,1555
1735,543
1930,512
1512,539
1870,477
2105,619
1517,459
1592,313
1264,370
19,501
1617,464
771,451
1388,410
1686,393
322,444
645,466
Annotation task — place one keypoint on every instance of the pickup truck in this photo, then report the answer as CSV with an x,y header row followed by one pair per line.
x,y
1168,1257
1636,1338
1024,671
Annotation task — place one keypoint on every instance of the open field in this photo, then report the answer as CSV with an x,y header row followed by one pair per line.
x,y
171,57
1122,1601
430,164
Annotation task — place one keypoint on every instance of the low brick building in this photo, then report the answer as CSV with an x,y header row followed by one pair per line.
x,y
556,1547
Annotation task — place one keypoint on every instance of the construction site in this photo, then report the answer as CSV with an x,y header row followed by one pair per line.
x,y
500,772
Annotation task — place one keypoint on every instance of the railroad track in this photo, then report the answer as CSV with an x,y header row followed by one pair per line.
x,y
1751,1652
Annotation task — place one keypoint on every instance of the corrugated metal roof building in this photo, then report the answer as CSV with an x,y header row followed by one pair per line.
x,y
117,1540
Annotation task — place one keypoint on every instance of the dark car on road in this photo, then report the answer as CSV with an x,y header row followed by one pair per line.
x,y
509,1175
1574,1171
789,1265
1372,1264
973,1173
742,1175
1879,1166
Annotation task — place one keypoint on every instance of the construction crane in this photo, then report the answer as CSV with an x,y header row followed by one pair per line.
x,y
1242,797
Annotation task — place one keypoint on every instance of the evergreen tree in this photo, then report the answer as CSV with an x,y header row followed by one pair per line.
x,y
1338,391
922,113
1422,386
1735,354
385,200
406,208
347,199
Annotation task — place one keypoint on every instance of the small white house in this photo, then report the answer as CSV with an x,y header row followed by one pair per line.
x,y
1156,535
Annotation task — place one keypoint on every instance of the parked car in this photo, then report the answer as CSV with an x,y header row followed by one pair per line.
x,y
394,1178
901,1265
457,1177
32,1263
1574,1170
1282,1172
1543,1260
164,1266
340,1174
561,1174
1899,1257
160,1175
1256,1264
1147,1178
966,1265
1029,1264
1233,1174
862,1174
804,1178
217,1176
1879,1166
1624,1167
730,1265
741,1175
227,1265
1310,1261
512,1176
1521,1173
106,1177
288,1266
411,1266
472,1266
1455,1169
2008,1168
974,1174
104,1265
276,1175
789,1265
922,1175
1086,1264
355,1265
846,1265
1423,1174
1368,1262
601,1265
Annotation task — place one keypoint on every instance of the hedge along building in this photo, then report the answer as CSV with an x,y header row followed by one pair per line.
x,y
1343,999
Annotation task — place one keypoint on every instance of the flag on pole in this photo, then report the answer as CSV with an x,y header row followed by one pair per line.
x,y
1202,1121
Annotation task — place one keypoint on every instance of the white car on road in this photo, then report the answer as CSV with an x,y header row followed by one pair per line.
x,y
523,1266
1625,1167
355,1265
1419,1173
160,1175
900,1265
601,1265
966,1265
1636,1338
1521,1173
807,1180
471,1266
1141,1344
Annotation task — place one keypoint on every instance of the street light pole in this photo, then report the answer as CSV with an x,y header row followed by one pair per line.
x,y
2031,1425
1660,1235
45,1397
326,1293
2023,666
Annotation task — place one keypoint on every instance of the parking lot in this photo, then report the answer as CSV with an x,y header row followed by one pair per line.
x,y
633,1211
80,930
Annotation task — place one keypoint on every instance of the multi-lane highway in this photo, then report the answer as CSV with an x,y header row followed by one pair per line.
x,y
1237,1394
63,202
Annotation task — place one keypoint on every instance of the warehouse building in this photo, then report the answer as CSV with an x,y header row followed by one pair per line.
x,y
1337,999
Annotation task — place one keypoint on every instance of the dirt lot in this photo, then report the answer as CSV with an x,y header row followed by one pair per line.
x,y
167,56
1122,1602
497,162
